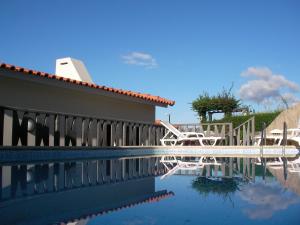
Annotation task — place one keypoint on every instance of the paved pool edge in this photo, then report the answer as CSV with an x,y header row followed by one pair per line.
x,y
30,154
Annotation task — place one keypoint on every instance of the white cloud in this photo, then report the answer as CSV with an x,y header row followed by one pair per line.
x,y
140,59
265,86
260,72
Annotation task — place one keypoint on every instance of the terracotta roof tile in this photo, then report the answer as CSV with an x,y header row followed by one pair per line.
x,y
147,97
157,122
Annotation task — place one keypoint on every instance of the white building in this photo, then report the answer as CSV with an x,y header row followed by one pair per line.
x,y
70,97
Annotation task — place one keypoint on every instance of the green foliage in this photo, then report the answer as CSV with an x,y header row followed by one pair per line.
x,y
225,101
202,105
266,117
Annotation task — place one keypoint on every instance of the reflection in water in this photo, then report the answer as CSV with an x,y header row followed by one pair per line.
x,y
30,179
266,199
213,167
228,176
292,181
74,192
62,191
220,186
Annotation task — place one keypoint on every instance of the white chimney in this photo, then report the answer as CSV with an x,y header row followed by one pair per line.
x,y
73,69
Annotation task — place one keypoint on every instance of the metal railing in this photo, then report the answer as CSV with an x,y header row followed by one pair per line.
x,y
22,127
244,134
223,130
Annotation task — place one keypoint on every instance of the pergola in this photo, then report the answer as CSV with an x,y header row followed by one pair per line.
x,y
242,110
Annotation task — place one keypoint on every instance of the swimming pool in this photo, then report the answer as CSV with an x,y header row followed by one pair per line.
x,y
133,191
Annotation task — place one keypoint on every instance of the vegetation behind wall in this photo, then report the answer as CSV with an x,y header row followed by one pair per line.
x,y
266,117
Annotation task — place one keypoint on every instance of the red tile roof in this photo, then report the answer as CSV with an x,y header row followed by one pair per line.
x,y
146,97
157,122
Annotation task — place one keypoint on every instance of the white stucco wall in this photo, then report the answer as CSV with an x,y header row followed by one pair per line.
x,y
36,93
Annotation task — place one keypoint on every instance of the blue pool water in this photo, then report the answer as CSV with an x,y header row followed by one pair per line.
x,y
258,203
131,191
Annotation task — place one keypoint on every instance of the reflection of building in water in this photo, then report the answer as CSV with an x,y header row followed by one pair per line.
x,y
66,190
155,197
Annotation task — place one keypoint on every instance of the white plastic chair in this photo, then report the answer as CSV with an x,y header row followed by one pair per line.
x,y
174,136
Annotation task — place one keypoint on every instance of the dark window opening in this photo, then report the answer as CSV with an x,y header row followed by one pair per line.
x,y
108,135
137,136
1,126
127,136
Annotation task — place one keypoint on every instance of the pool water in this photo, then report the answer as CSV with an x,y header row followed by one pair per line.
x,y
133,191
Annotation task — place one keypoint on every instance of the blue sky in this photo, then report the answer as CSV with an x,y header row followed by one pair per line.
x,y
175,49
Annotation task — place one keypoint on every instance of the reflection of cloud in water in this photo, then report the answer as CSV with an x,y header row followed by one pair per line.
x,y
266,199
141,221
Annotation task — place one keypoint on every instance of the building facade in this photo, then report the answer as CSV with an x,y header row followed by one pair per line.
x,y
70,109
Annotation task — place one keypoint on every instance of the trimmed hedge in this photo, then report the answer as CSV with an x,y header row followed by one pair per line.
x,y
266,117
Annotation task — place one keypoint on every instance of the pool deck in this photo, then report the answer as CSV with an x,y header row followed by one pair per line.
x,y
34,154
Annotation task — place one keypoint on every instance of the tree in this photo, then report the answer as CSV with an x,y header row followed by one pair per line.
x,y
202,105
224,101
227,101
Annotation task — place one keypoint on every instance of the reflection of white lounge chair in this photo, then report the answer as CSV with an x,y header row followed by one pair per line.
x,y
277,163
174,137
295,166
209,161
170,162
173,165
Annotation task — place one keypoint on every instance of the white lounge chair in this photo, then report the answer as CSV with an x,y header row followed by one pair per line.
x,y
174,137
276,136
294,135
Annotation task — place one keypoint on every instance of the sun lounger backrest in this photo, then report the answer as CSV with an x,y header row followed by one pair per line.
x,y
171,128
